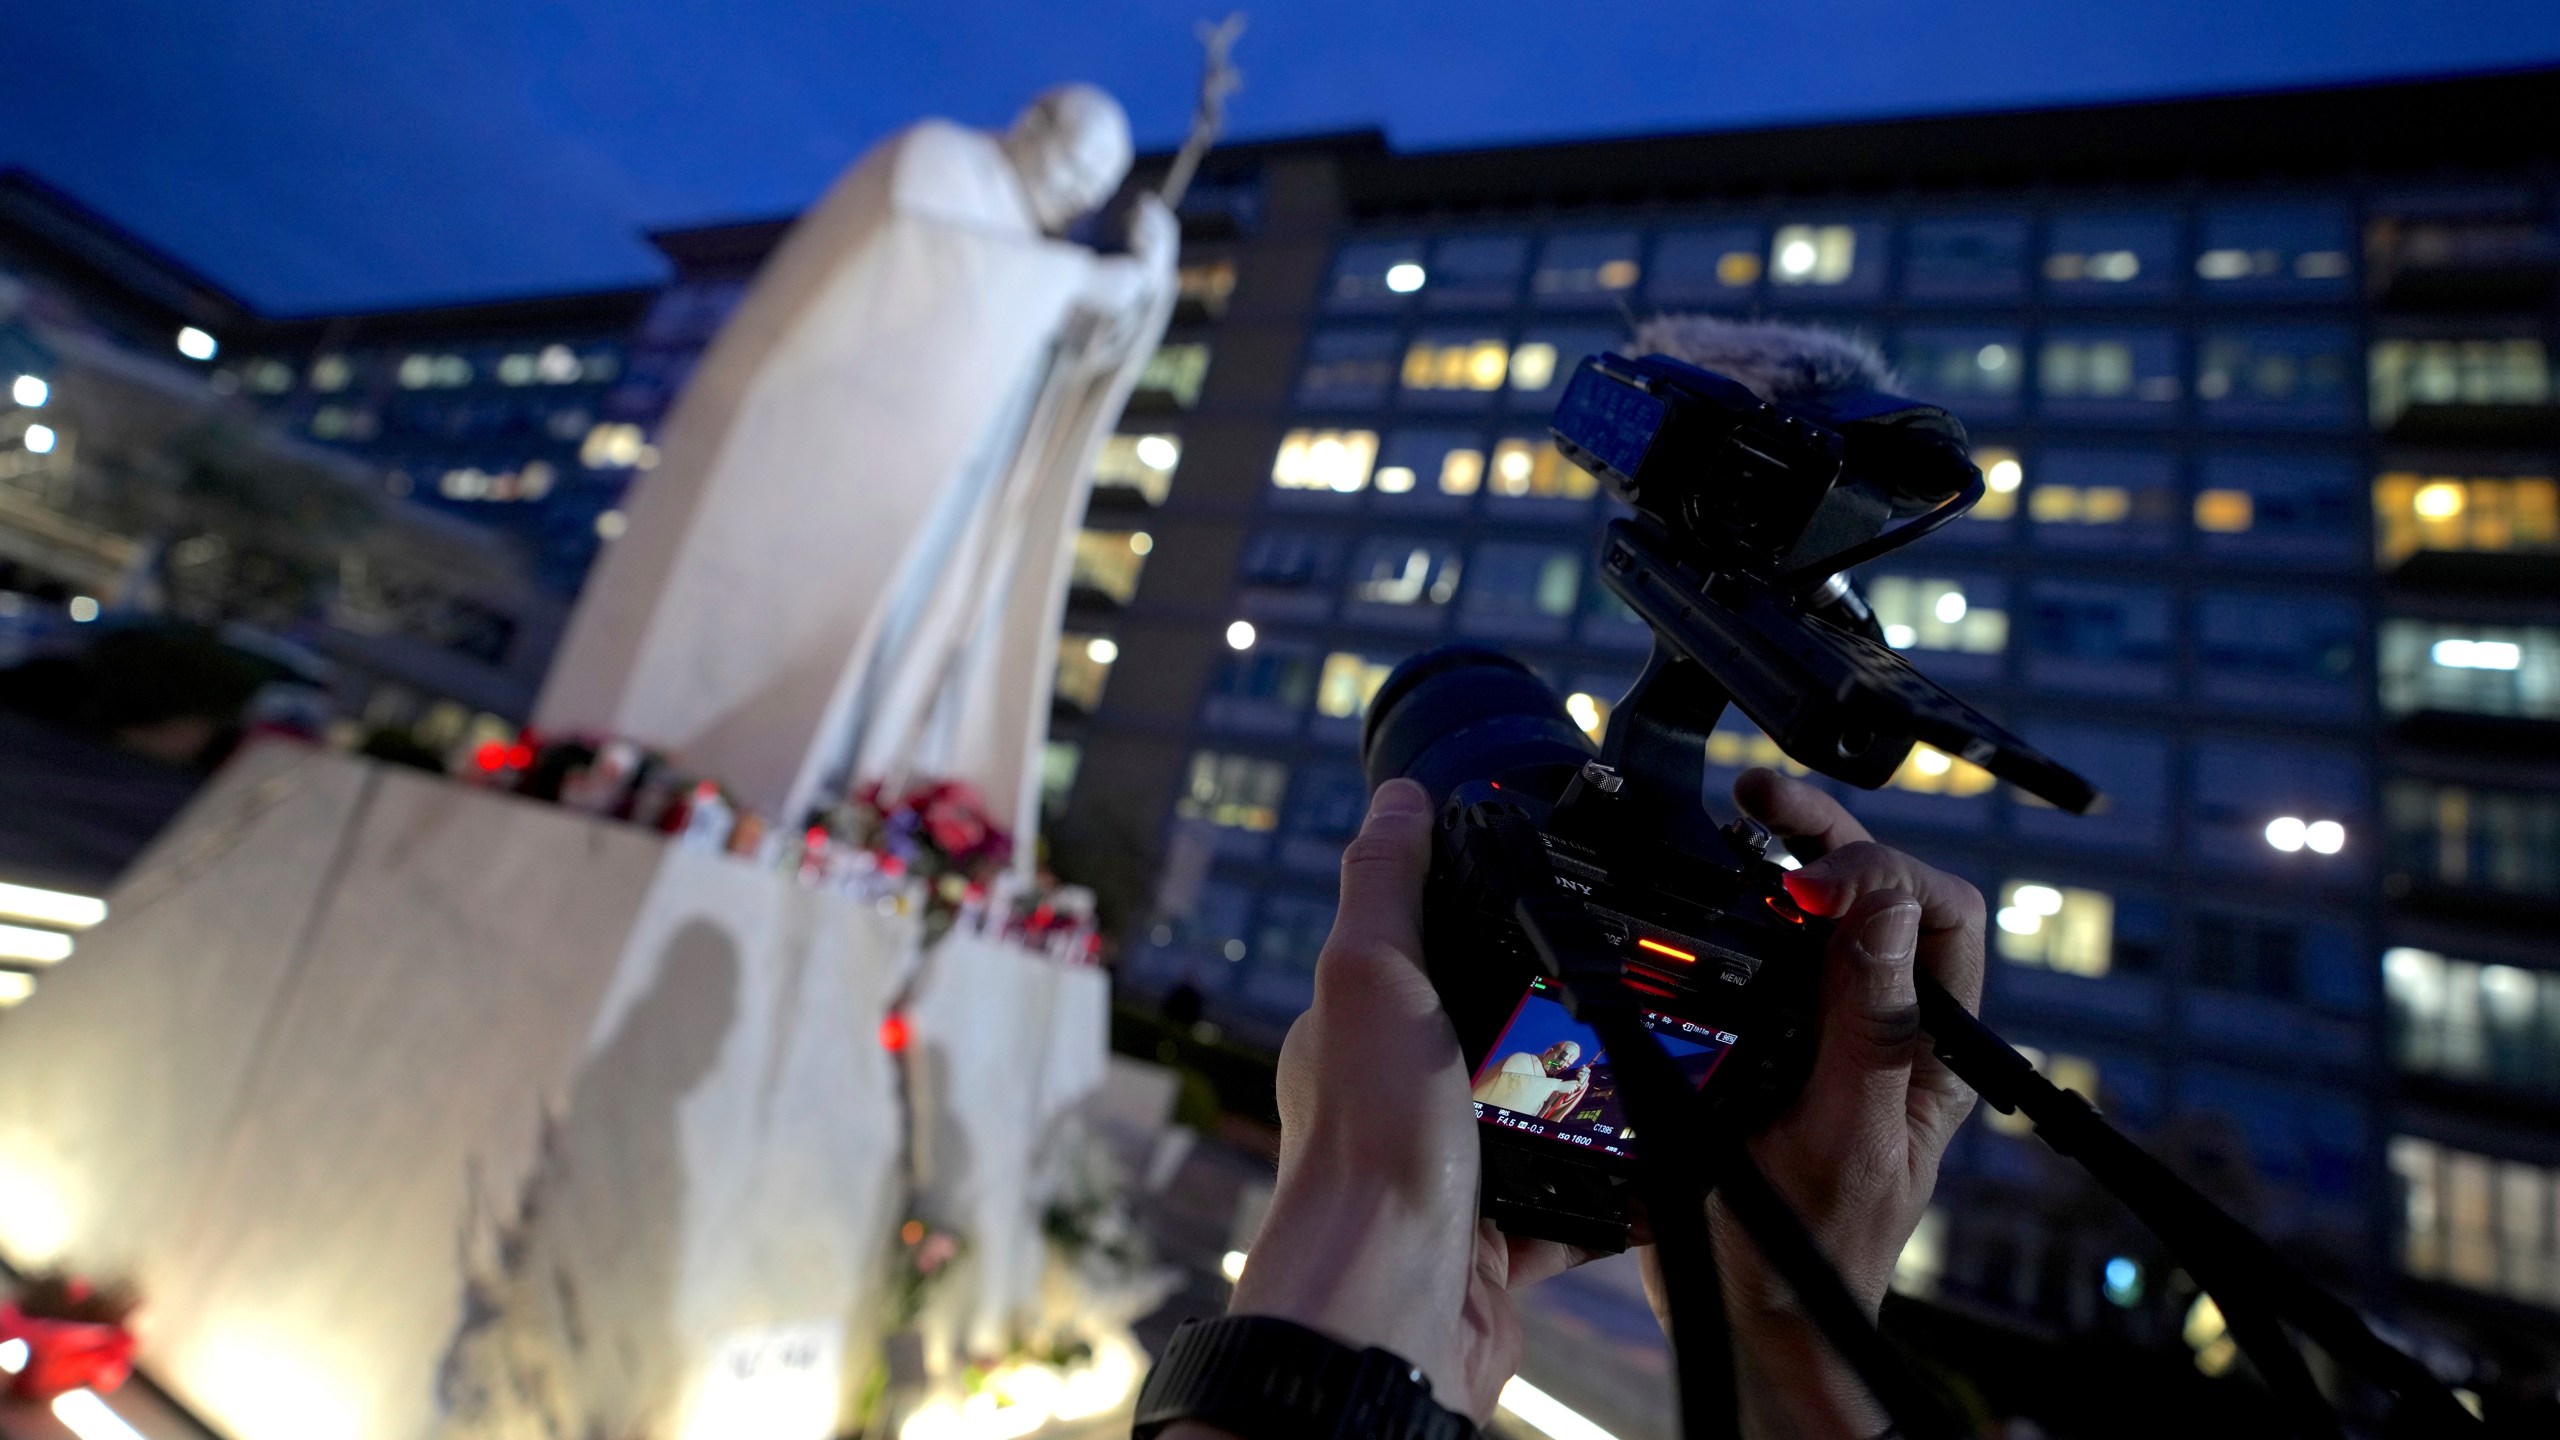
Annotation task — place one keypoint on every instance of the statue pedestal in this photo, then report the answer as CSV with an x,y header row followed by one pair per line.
x,y
417,1109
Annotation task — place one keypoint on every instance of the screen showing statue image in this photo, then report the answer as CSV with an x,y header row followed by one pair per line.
x,y
1548,1075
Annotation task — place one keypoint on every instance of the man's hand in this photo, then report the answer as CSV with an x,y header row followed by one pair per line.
x,y
1857,1156
1372,1235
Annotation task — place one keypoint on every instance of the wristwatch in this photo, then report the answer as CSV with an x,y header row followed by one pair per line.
x,y
1260,1378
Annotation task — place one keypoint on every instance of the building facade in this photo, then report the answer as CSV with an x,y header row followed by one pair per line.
x,y
2262,389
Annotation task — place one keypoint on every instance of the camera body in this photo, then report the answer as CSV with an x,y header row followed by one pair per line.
x,y
1724,964
1745,513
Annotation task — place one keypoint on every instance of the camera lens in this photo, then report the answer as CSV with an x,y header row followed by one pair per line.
x,y
1463,712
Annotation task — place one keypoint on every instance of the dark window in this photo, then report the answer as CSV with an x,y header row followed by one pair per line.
x,y
1708,264
2294,508
2257,957
1474,272
1975,258
2264,651
2241,788
2098,638
2277,375
1281,961
1520,591
1289,573
1263,690
2130,766
1588,268
2464,837
1348,367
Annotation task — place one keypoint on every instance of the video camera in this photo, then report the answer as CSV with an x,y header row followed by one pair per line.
x,y
1617,964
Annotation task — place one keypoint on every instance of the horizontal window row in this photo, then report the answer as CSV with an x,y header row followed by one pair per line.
x,y
2506,670
2250,252
2464,1020
2479,839
2478,1221
2282,375
539,364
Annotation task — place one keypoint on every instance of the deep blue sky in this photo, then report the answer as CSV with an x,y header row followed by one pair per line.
x,y
331,154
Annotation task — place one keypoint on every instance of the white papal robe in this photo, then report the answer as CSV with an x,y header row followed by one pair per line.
x,y
851,558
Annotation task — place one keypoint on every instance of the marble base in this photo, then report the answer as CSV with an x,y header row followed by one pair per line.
x,y
415,1110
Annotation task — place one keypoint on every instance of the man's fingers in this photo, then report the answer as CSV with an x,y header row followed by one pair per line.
x,y
1870,1020
1380,917
1812,823
1951,914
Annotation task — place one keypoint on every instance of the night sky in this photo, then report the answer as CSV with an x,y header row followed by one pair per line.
x,y
324,156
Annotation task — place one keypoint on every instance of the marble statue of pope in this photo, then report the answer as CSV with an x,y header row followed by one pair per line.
x,y
851,559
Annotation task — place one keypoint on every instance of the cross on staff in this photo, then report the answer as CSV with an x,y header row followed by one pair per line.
x,y
1218,80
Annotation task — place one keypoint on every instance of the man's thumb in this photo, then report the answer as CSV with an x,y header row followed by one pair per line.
x,y
1870,1015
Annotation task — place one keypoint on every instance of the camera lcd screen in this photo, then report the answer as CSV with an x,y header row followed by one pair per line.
x,y
1548,1075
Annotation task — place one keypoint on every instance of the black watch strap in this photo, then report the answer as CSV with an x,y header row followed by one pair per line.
x,y
1260,1378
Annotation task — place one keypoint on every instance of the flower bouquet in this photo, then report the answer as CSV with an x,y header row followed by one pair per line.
x,y
938,832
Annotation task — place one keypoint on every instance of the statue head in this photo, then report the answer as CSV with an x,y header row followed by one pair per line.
x,y
1070,148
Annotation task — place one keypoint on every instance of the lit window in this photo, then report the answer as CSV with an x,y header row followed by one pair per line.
x,y
1461,472
1399,572
2406,373
2477,1221
1084,664
330,373
1207,284
1058,762
1144,463
1813,254
1748,747
2273,372
2112,258
1472,365
2260,249
1935,614
1976,371
1931,771
1348,683
1533,366
2496,1024
2470,669
2097,368
2055,927
2080,504
1107,562
1176,373
1535,468
1336,460
516,369
434,372
2002,475
2223,512
2067,1072
2448,512
1375,274
1237,792
614,445
2106,267
195,344
343,422
1590,713
267,377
